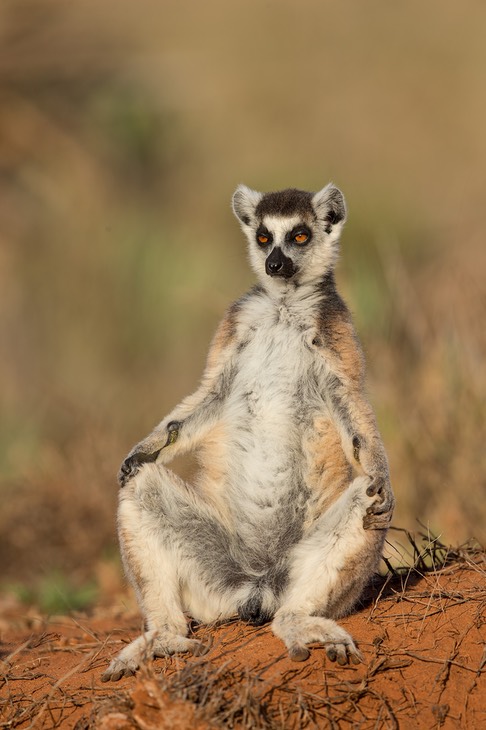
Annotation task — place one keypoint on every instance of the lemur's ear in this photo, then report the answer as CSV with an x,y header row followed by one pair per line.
x,y
329,206
244,202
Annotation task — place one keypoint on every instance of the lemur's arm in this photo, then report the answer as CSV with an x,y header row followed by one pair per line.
x,y
184,428
354,416
363,446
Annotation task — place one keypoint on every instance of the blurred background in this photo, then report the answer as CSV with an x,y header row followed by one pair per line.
x,y
124,129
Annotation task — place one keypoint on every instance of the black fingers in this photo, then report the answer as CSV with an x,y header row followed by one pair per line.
x,y
135,459
127,470
377,487
377,522
132,465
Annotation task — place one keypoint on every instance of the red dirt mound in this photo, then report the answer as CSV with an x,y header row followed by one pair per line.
x,y
422,634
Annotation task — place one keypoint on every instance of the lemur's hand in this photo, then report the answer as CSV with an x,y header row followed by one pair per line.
x,y
132,464
378,515
147,451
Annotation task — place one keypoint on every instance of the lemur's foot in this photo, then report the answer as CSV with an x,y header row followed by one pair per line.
x,y
148,646
298,630
379,514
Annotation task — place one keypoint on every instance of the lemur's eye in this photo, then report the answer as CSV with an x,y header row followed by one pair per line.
x,y
262,238
301,237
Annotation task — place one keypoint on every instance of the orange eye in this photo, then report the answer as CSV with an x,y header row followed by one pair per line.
x,y
301,237
262,238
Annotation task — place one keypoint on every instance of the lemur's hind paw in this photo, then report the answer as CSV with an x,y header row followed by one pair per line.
x,y
298,631
118,669
148,646
343,653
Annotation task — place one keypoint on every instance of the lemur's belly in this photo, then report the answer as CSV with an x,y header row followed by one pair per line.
x,y
273,401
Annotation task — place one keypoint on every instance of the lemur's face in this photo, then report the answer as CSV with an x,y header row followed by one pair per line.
x,y
292,234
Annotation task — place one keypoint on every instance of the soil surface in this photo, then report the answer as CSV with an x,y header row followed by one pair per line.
x,y
422,635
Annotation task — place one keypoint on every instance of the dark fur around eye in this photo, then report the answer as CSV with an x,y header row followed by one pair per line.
x,y
262,231
290,236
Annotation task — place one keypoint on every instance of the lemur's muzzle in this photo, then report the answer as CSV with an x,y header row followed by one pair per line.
x,y
278,264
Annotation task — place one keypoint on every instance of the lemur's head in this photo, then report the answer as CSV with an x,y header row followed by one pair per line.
x,y
293,234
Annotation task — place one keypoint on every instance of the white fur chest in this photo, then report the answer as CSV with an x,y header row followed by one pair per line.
x,y
274,360
263,416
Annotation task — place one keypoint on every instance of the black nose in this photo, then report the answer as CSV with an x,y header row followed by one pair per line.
x,y
278,264
275,266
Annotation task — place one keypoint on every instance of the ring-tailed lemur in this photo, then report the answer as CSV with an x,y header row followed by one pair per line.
x,y
287,518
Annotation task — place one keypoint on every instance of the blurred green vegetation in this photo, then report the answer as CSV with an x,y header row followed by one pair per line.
x,y
55,594
123,132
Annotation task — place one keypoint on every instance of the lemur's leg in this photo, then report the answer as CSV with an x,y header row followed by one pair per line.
x,y
328,570
178,554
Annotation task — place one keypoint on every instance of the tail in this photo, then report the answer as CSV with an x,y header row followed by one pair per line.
x,y
252,612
